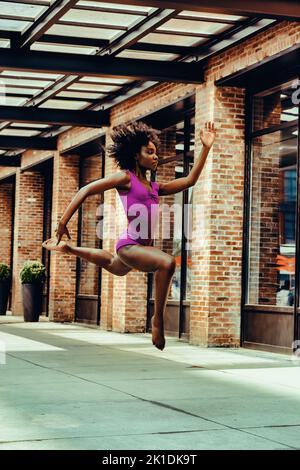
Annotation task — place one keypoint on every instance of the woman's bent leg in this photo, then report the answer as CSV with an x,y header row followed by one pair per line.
x,y
151,259
102,258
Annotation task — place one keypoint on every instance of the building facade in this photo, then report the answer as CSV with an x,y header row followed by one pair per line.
x,y
237,283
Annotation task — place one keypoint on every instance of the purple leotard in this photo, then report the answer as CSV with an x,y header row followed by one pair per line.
x,y
141,204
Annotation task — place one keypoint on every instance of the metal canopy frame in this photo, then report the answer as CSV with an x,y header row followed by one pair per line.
x,y
289,9
60,117
100,66
79,56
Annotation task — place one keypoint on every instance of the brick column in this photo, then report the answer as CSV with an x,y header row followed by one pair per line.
x,y
28,228
217,221
63,267
109,222
6,204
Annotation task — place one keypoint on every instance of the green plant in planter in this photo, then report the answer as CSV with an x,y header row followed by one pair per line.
x,y
5,272
33,272
32,277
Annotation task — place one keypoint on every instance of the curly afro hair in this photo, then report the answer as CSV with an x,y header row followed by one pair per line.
x,y
128,140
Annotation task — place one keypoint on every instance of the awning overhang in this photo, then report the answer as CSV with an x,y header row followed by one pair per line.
x,y
266,73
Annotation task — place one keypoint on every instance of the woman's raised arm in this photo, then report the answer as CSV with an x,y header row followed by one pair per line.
x,y
207,137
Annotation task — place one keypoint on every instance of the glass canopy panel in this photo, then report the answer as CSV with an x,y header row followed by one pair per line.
x,y
100,17
115,6
19,132
156,38
101,88
4,42
13,101
214,16
252,29
190,26
79,31
23,91
21,10
38,46
147,55
38,75
63,104
111,81
83,95
13,25
27,124
24,83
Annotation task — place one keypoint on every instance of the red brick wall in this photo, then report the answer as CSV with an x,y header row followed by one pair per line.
x,y
218,211
63,266
107,292
28,229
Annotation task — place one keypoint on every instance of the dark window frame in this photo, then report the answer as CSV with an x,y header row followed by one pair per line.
x,y
250,134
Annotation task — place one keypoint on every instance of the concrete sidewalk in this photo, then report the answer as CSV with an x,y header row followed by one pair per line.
x,y
72,387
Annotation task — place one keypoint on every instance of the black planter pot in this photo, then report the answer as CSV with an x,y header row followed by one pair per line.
x,y
4,294
32,301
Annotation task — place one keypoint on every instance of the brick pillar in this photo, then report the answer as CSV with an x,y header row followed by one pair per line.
x,y
63,267
109,223
6,205
217,221
28,228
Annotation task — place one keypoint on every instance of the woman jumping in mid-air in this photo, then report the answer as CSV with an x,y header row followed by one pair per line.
x,y
134,149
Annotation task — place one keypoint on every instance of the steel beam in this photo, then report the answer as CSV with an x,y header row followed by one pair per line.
x,y
61,117
82,64
268,8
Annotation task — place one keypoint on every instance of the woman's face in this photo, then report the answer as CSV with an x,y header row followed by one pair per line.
x,y
147,157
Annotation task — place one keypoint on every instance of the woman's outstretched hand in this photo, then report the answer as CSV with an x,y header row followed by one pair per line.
x,y
60,231
207,135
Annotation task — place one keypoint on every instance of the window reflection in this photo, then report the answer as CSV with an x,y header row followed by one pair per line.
x,y
272,249
89,273
275,107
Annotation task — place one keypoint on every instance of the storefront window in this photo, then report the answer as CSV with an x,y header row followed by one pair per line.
x,y
272,234
189,241
89,272
275,107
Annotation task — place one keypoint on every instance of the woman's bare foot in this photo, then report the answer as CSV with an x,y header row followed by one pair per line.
x,y
51,244
158,338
